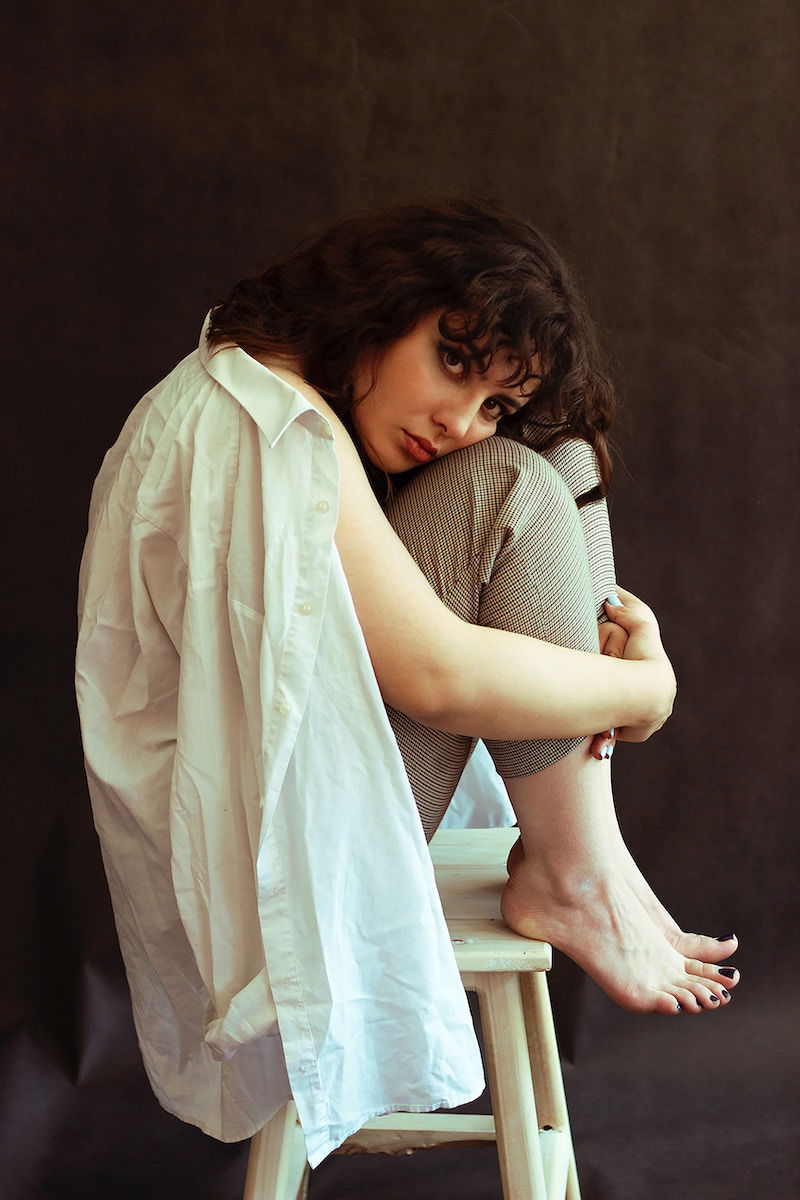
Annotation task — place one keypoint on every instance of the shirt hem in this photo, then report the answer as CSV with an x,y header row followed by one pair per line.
x,y
213,1132
318,1151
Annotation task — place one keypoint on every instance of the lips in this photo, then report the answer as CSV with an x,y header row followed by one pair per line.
x,y
419,448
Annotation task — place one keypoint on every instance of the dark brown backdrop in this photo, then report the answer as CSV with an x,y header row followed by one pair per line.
x,y
155,154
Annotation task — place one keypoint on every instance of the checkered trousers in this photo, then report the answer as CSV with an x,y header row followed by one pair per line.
x,y
496,530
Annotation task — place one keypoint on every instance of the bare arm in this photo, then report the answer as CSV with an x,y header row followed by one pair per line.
x,y
465,678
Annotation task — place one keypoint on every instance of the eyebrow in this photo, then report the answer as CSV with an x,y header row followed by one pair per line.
x,y
517,404
501,397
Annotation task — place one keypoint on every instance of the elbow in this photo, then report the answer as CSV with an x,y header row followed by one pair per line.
x,y
438,711
429,696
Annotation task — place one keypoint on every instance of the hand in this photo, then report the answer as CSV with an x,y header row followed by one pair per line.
x,y
613,640
644,644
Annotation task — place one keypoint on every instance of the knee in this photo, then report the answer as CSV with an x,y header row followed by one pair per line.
x,y
495,453
496,484
499,463
536,490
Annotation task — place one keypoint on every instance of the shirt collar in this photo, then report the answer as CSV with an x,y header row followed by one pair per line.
x,y
271,402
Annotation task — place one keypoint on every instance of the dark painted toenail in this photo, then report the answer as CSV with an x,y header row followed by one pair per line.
x,y
714,999
679,1006
726,937
726,993
728,972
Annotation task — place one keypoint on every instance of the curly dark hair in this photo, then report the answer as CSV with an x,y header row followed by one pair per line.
x,y
370,277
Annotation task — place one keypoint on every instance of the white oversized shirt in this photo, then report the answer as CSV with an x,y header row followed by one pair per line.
x,y
273,893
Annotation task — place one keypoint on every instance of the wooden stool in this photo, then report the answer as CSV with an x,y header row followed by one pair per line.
x,y
532,1131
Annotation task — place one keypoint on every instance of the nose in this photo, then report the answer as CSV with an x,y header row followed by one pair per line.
x,y
455,418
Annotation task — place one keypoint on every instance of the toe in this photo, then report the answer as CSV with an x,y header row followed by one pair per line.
x,y
685,999
708,994
718,948
726,977
669,1004
707,949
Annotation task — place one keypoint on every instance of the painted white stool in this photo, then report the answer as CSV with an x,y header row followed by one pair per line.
x,y
530,1123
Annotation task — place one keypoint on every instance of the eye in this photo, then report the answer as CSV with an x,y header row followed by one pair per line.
x,y
495,408
454,361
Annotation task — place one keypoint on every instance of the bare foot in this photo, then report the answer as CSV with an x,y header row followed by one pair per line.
x,y
690,945
600,923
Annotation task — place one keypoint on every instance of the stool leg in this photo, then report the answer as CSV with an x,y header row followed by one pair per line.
x,y
551,1100
277,1167
511,1085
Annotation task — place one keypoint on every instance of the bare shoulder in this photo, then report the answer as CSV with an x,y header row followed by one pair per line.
x,y
351,473
285,372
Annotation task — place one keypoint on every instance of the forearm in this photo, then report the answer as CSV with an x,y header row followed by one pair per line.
x,y
493,684
452,675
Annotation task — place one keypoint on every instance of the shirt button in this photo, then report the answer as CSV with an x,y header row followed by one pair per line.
x,y
305,609
323,506
281,707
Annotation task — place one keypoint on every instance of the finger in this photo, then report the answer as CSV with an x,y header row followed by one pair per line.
x,y
620,599
602,745
626,597
628,618
613,639
604,632
618,615
598,741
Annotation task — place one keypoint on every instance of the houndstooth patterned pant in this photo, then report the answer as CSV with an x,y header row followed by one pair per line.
x,y
496,530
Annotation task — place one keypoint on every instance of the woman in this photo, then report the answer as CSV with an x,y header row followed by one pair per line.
x,y
246,610
428,330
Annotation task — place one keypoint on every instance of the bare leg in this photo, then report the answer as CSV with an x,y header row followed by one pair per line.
x,y
691,945
501,541
575,462
569,890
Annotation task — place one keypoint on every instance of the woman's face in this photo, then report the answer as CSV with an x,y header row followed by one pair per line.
x,y
426,401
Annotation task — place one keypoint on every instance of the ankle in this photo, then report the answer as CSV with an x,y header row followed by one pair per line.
x,y
568,885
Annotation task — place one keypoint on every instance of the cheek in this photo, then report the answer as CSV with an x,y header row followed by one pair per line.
x,y
366,411
476,434
361,423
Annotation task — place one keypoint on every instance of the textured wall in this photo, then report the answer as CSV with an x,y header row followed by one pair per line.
x,y
155,154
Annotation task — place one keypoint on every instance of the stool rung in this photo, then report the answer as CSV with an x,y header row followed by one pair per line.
x,y
402,1133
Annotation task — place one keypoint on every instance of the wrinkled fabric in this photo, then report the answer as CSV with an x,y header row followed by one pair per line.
x,y
272,888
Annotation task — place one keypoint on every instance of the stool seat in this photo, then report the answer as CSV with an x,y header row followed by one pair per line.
x,y
530,1123
470,869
